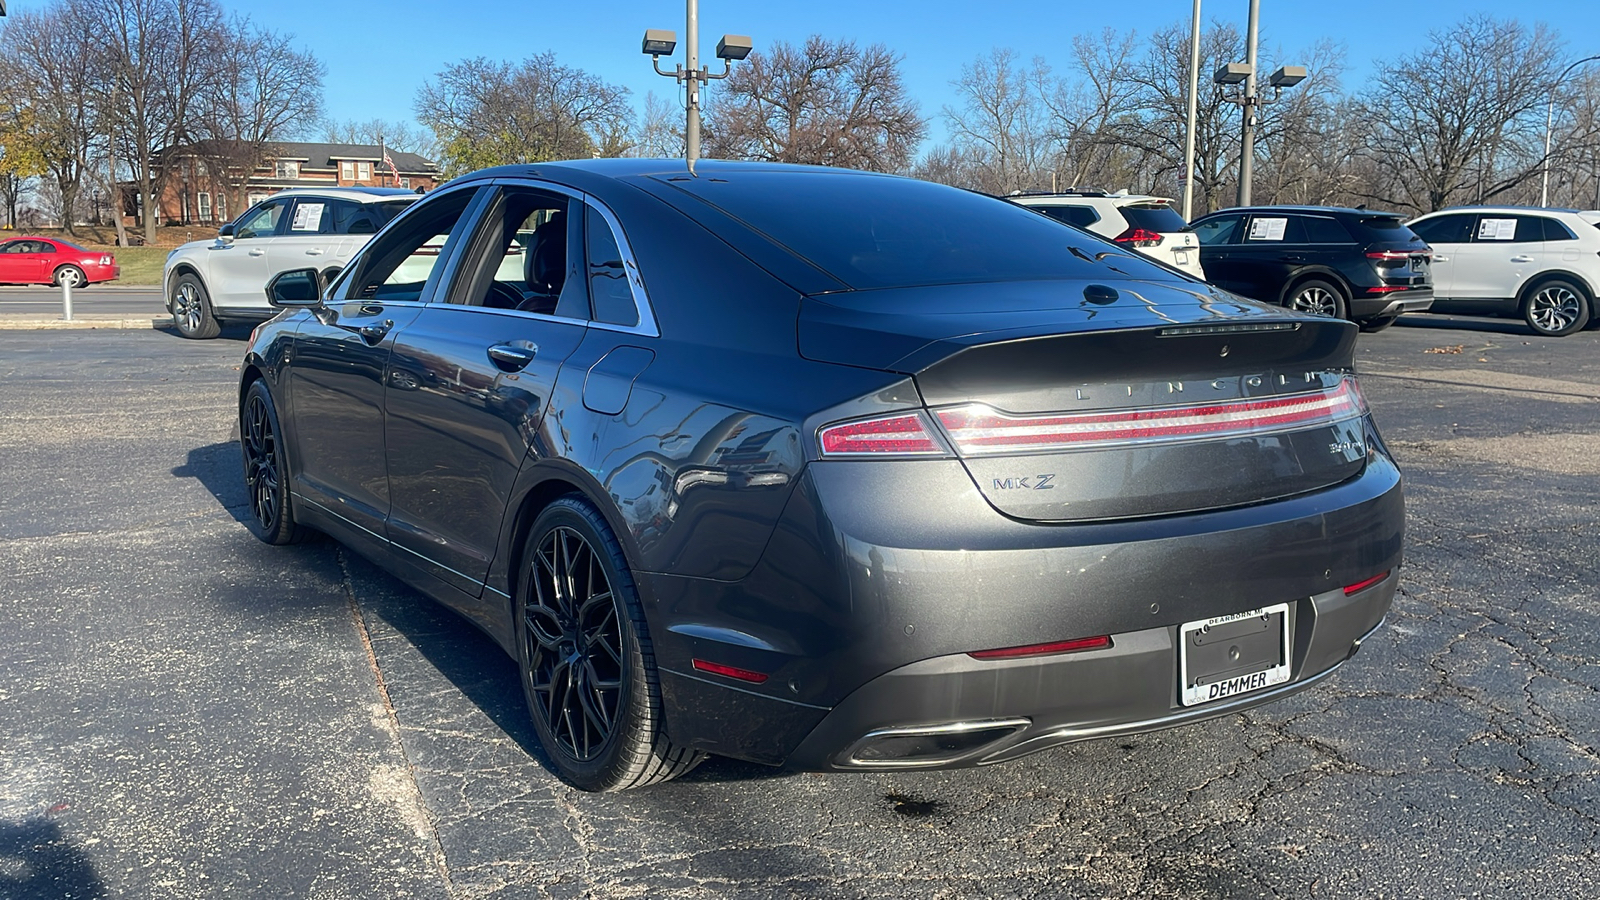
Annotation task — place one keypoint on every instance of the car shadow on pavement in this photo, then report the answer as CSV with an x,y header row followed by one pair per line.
x,y
217,468
37,862
1466,323
479,669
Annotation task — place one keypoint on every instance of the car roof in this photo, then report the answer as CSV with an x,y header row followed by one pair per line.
x,y
349,193
1075,197
1512,210
1323,210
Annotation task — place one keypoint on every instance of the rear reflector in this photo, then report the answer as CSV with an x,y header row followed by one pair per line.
x,y
897,434
730,671
978,429
1090,643
1360,586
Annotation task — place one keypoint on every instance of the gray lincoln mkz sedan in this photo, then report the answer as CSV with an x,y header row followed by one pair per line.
x,y
824,468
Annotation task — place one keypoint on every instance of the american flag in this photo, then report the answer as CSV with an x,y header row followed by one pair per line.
x,y
393,170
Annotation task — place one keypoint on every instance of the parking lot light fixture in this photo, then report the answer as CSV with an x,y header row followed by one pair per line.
x,y
1287,76
659,43
1232,73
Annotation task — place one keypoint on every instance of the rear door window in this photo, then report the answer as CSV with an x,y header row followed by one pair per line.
x,y
1276,229
1499,229
1325,230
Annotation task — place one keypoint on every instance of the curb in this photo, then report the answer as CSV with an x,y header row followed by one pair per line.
x,y
87,320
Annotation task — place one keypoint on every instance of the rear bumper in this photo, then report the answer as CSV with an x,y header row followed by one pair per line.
x,y
881,578
1129,688
1378,306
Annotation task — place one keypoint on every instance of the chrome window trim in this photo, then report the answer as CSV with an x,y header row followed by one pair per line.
x,y
647,326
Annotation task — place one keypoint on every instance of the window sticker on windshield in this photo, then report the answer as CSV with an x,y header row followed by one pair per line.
x,y
1497,229
1267,229
307,217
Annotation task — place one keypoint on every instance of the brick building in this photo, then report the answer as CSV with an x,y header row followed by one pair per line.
x,y
193,195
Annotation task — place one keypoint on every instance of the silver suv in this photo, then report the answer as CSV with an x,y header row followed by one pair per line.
x,y
1147,224
211,282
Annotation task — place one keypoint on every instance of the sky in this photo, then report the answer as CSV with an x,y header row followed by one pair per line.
x,y
379,54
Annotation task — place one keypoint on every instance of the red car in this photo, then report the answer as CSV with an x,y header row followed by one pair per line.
x,y
37,260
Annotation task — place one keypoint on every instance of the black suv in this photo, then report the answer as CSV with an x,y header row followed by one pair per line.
x,y
1348,263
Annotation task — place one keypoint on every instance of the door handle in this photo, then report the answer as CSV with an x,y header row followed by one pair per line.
x,y
375,332
1522,259
257,251
513,357
313,252
1292,257
1438,258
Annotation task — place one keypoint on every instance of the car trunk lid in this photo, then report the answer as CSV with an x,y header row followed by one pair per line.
x,y
1139,400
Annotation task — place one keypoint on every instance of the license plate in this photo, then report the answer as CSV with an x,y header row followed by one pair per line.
x,y
1233,655
1418,263
1181,257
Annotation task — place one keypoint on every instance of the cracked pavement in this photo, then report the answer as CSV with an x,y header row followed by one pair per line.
x,y
188,713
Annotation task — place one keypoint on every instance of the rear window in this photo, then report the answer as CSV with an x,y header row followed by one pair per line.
x,y
873,231
1154,217
72,245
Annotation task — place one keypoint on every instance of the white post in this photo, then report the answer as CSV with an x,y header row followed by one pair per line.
x,y
66,299
691,59
1194,91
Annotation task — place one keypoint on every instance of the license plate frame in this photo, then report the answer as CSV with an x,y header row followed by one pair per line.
x,y
1251,638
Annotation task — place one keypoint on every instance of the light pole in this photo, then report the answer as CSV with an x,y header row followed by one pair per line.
x,y
1189,128
1549,122
659,43
1250,101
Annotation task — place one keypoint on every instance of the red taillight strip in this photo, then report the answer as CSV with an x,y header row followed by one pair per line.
x,y
730,671
1099,642
1363,585
979,429
897,434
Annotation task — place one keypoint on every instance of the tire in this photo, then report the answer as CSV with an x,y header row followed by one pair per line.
x,y
266,469
191,309
1555,308
1372,326
1318,297
70,273
587,668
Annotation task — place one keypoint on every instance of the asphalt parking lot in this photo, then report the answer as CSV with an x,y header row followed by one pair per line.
x,y
189,713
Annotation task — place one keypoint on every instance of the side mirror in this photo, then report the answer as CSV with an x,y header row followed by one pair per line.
x,y
295,289
225,233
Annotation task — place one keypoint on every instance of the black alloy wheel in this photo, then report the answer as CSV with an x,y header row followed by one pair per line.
x,y
588,671
1320,298
266,469
191,309
1555,308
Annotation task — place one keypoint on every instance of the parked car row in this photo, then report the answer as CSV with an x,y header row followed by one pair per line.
x,y
1542,265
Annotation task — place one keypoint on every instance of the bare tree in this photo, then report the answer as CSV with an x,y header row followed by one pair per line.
x,y
50,66
660,133
160,56
1462,119
264,89
401,136
486,113
1000,134
826,103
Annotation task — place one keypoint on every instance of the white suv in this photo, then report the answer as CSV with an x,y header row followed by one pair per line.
x,y
211,282
1540,264
1147,224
